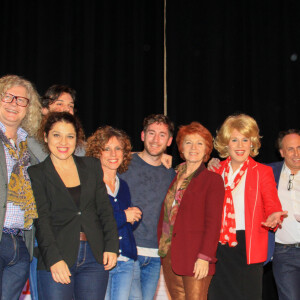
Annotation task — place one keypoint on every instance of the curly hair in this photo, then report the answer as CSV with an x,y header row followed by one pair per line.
x,y
246,125
159,118
53,93
195,128
54,117
33,117
96,144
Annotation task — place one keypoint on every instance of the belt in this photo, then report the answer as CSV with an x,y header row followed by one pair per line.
x,y
83,237
297,245
13,231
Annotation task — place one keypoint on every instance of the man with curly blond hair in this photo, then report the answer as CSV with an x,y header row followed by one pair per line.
x,y
19,117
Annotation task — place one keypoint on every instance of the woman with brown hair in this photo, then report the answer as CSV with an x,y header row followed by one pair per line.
x,y
112,146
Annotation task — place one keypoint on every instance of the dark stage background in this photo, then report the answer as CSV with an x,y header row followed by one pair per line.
x,y
222,57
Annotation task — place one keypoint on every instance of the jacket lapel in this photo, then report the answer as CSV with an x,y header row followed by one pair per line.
x,y
83,176
251,185
3,166
55,179
277,171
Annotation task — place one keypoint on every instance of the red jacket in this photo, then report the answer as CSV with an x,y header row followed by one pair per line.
x,y
198,222
261,200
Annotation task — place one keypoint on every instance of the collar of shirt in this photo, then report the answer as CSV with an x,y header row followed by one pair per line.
x,y
286,170
231,174
21,133
117,186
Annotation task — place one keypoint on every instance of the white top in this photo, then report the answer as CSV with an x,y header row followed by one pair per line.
x,y
290,201
238,196
150,252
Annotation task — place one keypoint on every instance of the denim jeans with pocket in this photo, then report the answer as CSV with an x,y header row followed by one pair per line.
x,y
145,278
14,266
119,281
88,280
286,270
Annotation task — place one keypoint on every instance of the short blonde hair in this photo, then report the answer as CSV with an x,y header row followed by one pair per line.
x,y
33,117
244,124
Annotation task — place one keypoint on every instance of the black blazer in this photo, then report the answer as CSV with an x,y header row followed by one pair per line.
x,y
60,221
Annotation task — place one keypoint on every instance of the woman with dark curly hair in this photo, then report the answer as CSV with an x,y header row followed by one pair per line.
x,y
112,146
76,230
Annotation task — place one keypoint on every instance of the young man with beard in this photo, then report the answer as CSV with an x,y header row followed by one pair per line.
x,y
148,182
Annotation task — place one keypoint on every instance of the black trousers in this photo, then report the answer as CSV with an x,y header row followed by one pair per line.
x,y
234,279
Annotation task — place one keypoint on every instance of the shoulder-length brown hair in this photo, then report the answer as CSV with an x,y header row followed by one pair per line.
x,y
96,144
54,117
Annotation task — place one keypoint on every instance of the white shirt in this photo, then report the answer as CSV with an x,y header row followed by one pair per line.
x,y
290,201
238,196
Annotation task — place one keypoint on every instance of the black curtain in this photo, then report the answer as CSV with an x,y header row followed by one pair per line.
x,y
110,51
232,56
223,57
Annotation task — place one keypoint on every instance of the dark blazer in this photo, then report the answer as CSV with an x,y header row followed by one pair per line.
x,y
197,226
60,221
277,167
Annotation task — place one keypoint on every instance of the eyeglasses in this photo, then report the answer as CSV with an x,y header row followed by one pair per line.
x,y
9,98
290,183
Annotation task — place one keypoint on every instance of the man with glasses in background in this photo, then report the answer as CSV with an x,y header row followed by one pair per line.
x,y
20,115
286,258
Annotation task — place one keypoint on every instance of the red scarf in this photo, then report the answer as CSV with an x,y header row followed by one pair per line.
x,y
228,228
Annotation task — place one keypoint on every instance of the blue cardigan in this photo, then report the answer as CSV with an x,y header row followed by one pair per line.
x,y
125,229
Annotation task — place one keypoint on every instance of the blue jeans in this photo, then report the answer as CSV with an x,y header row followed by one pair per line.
x,y
286,270
88,280
119,281
33,277
14,266
145,278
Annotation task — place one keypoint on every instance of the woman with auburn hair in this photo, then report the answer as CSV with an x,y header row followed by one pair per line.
x,y
112,146
190,218
251,207
76,230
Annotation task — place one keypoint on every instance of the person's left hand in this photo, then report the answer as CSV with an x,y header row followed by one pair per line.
x,y
275,219
109,260
200,268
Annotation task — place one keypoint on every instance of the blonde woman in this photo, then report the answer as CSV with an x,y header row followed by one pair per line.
x,y
251,207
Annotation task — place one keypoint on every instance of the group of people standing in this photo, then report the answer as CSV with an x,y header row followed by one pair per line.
x,y
107,219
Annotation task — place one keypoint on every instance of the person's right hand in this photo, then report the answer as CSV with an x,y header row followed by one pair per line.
x,y
60,272
213,164
133,214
